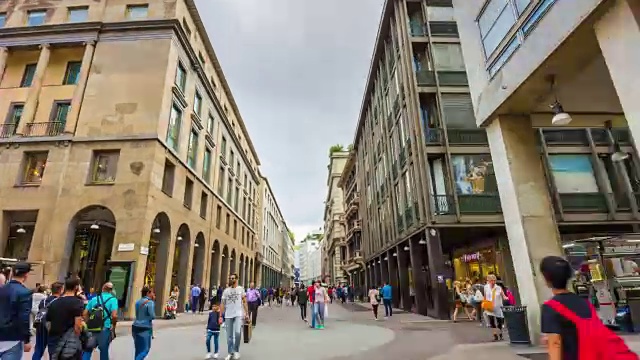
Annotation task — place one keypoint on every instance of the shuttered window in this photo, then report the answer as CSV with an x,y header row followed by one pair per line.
x,y
458,111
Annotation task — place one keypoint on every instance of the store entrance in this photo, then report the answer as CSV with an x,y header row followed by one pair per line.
x,y
475,265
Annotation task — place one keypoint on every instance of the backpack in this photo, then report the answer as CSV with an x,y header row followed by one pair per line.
x,y
41,315
595,340
69,346
96,315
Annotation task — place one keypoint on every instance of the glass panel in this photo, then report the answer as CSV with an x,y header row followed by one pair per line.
x,y
505,56
494,36
78,14
34,169
62,110
135,12
105,166
181,77
3,19
173,131
35,18
521,5
206,167
27,77
448,57
193,149
537,15
197,104
573,173
473,174
16,115
72,75
210,125
491,12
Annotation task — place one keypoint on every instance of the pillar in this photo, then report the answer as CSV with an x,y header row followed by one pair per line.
x,y
419,285
526,206
78,92
436,275
393,276
31,104
403,278
619,39
4,54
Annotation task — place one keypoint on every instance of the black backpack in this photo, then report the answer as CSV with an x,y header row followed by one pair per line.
x,y
41,316
97,316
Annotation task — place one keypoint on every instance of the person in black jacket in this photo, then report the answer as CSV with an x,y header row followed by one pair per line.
x,y
303,297
15,310
213,331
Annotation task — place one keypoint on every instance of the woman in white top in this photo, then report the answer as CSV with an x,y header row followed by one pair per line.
x,y
495,295
374,296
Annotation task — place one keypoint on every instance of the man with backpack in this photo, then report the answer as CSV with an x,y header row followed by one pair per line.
x,y
15,310
101,314
40,322
570,326
65,322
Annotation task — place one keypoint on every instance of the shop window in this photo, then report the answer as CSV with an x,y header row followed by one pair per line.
x,y
27,76
137,12
72,73
475,264
573,173
105,166
34,165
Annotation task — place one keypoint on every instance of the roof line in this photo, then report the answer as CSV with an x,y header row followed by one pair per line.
x,y
197,20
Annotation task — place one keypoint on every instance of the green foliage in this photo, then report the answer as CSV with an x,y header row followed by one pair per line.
x,y
335,148
350,147
292,236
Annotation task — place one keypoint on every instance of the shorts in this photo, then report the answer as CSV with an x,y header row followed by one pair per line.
x,y
458,304
495,322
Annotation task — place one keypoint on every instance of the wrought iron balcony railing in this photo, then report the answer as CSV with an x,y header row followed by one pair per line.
x,y
7,130
54,128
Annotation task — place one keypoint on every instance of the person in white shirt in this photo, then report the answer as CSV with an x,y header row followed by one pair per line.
x,y
494,294
234,308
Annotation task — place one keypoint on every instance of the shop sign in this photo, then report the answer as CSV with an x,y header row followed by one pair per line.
x,y
471,257
622,249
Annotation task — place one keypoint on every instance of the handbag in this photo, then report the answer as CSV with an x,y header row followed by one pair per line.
x,y
246,332
487,305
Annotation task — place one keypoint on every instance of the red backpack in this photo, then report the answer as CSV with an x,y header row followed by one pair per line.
x,y
595,340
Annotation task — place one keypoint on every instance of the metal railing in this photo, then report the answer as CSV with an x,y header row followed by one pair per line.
x,y
426,78
443,205
7,130
583,202
453,78
418,29
479,204
565,137
467,136
433,136
54,128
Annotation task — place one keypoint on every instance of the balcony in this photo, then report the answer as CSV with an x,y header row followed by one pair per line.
x,y
479,204
443,28
467,137
44,129
433,136
7,130
452,78
426,78
443,205
417,29
565,137
583,202
601,137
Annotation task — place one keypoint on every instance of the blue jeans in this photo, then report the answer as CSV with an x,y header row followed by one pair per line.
x,y
216,343
234,334
141,342
388,309
15,353
104,340
313,315
318,309
194,304
41,343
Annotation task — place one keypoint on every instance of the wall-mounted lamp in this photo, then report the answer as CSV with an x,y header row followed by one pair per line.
x,y
560,117
406,248
21,230
179,238
94,226
386,258
422,242
618,155
395,254
155,230
197,245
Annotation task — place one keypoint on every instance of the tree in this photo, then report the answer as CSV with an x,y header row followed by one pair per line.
x,y
335,148
291,234
350,147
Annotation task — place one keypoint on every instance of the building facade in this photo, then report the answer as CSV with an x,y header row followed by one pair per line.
x,y
436,190
334,232
272,229
287,256
557,73
124,155
308,257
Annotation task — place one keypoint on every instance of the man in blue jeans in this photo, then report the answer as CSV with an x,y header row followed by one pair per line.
x,y
142,327
15,309
234,306
195,298
387,295
109,304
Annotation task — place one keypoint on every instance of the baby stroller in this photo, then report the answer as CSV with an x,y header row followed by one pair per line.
x,y
171,309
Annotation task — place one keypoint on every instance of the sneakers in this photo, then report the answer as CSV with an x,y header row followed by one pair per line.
x,y
236,356
209,356
216,355
228,357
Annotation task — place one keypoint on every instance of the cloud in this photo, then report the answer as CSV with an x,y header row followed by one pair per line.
x,y
297,69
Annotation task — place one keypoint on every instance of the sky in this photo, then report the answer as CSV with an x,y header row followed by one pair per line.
x,y
297,69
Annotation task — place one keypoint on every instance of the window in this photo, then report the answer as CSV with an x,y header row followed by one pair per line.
x,y
474,175
227,224
15,113
206,167
137,12
27,76
173,132
221,181
243,235
235,228
238,169
218,216
105,166
573,173
188,193
192,151
3,19
223,147
495,22
458,111
72,74
78,14
204,199
167,177
60,113
181,77
210,124
232,158
36,17
448,57
229,190
186,27
201,58
236,199
34,165
197,104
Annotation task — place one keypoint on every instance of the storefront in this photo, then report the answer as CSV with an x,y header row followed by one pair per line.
x,y
475,263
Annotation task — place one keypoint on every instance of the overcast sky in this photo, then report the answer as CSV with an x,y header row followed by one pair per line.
x,y
297,69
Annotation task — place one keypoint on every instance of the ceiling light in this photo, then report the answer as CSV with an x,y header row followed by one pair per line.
x,y
21,230
618,155
179,238
156,230
94,226
406,248
422,242
379,262
560,117
197,245
566,246
386,258
395,254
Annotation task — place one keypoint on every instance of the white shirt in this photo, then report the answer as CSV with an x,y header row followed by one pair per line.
x,y
497,302
232,301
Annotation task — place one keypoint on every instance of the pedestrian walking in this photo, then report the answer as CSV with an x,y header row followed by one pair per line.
x,y
320,298
66,321
202,298
195,298
310,295
213,331
15,309
234,308
374,300
253,303
39,295
461,301
492,306
302,298
101,315
142,327
387,296
40,322
270,294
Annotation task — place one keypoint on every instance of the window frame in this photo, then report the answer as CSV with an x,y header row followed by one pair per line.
x,y
206,164
109,154
181,83
176,143
71,9
67,73
26,72
55,111
197,103
131,8
192,147
37,11
27,161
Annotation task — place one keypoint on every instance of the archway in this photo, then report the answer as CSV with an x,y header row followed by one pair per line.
x,y
89,245
158,258
197,265
224,271
180,271
241,281
214,275
232,261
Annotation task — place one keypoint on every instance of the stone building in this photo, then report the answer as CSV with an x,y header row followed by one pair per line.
x,y
334,233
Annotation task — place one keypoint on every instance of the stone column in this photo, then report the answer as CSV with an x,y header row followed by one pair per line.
x,y
31,105
393,276
81,86
403,266
437,272
4,54
527,208
619,39
418,276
